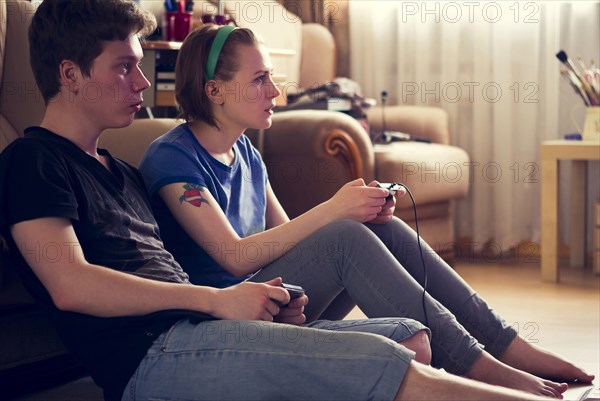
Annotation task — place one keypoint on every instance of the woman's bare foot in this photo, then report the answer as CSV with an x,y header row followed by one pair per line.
x,y
489,370
529,358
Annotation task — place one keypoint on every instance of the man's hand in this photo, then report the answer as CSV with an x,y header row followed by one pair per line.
x,y
293,313
250,301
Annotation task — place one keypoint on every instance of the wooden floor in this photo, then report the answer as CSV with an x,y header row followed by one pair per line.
x,y
563,318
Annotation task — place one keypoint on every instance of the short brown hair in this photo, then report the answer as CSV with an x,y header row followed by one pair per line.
x,y
75,30
191,65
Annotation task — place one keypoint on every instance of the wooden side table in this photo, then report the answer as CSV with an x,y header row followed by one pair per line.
x,y
553,151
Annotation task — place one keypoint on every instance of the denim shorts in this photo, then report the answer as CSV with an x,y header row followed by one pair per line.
x,y
254,360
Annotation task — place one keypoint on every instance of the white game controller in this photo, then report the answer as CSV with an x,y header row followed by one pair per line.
x,y
393,187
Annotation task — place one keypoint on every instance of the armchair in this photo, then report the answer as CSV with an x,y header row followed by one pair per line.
x,y
311,154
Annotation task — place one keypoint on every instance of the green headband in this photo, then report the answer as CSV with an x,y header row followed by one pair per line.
x,y
215,50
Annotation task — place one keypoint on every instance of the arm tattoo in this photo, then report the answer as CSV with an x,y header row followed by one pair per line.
x,y
192,193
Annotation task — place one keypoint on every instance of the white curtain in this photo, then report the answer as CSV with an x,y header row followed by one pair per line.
x,y
492,66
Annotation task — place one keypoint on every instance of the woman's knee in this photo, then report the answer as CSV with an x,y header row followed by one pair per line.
x,y
348,232
393,233
342,226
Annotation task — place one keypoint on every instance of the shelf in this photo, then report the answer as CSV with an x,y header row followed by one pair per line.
x,y
154,65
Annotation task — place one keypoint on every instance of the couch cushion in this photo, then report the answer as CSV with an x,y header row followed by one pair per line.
x,y
130,143
432,172
7,133
20,100
318,56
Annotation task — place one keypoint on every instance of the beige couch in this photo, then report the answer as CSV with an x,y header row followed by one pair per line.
x,y
31,352
310,154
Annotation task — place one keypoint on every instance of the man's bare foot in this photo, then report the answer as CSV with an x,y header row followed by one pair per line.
x,y
489,370
530,358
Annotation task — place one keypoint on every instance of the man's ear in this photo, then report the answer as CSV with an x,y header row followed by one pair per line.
x,y
214,92
69,75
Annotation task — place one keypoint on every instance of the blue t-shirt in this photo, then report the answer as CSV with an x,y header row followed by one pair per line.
x,y
239,189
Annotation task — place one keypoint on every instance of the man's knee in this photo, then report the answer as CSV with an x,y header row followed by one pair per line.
x,y
418,382
420,345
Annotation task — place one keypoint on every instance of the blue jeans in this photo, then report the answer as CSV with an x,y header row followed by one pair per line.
x,y
254,360
378,268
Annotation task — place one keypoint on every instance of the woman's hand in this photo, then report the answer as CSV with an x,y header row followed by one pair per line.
x,y
250,301
356,201
387,211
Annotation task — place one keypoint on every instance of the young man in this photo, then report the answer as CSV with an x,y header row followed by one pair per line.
x,y
120,301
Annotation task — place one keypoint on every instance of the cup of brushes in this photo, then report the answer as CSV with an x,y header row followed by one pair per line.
x,y
585,81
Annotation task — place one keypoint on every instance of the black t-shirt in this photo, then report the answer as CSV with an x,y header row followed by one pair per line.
x,y
45,175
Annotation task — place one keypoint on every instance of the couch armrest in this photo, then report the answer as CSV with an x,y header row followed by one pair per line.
x,y
310,154
130,143
419,121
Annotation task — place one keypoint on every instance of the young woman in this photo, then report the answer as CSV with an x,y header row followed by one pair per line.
x,y
220,218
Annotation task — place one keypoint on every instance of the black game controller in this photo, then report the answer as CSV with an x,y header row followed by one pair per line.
x,y
295,291
392,187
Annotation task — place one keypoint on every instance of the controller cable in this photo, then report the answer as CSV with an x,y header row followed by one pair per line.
x,y
420,249
384,95
384,137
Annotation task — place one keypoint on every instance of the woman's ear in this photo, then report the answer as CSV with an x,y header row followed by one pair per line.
x,y
214,92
